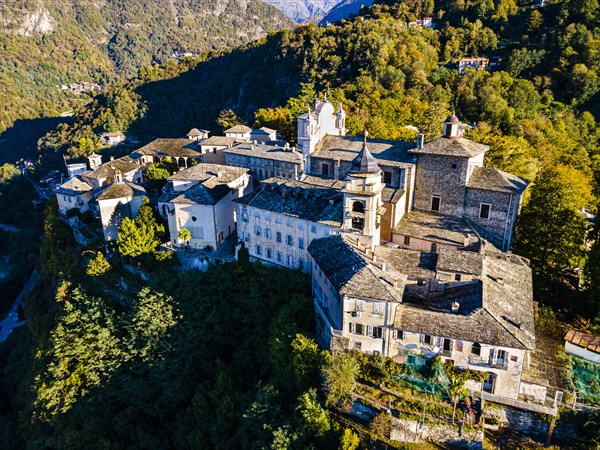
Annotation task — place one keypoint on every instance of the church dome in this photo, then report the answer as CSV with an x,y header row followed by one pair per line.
x,y
453,120
364,161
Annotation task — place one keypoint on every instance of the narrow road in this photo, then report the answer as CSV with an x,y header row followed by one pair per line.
x,y
12,320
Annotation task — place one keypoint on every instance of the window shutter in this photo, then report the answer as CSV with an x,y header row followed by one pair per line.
x,y
422,338
395,334
369,330
492,354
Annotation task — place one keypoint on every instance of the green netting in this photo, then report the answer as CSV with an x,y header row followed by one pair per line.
x,y
431,380
586,378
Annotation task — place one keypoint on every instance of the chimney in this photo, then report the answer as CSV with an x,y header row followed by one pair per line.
x,y
455,307
420,140
112,158
383,266
467,240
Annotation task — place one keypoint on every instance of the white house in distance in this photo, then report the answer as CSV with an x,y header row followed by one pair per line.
x,y
200,199
117,201
583,345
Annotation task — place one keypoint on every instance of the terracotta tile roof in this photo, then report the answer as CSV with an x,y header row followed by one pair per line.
x,y
585,340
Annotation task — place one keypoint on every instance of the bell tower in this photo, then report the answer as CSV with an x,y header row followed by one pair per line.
x,y
362,196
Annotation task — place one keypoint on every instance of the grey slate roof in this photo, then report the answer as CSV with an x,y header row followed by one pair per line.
x,y
196,132
458,261
239,129
202,172
273,152
219,141
122,165
490,179
451,147
298,199
173,147
436,227
345,148
212,184
73,186
351,273
121,190
495,309
364,163
263,131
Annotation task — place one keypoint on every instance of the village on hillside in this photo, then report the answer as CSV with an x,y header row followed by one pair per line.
x,y
408,243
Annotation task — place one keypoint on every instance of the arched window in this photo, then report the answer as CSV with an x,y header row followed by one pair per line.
x,y
476,348
358,206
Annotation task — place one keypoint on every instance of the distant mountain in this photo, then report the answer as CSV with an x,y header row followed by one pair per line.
x,y
345,9
45,43
304,10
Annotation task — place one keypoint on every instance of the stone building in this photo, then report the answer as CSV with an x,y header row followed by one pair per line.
x,y
113,171
266,161
241,132
73,193
475,309
117,201
200,199
182,151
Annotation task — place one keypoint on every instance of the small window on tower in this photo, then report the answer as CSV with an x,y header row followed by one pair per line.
x,y
454,166
435,203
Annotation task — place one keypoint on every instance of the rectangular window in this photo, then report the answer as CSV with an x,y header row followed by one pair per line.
x,y
290,261
301,225
420,283
360,329
257,230
301,243
387,177
278,237
398,335
325,169
369,330
359,305
258,250
435,203
278,218
378,308
427,339
447,346
357,346
406,240
289,221
313,229
268,233
269,253
352,328
244,216
378,332
457,277
484,210
279,257
289,240
267,216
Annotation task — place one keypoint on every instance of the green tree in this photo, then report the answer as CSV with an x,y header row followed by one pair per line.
x,y
381,425
306,359
156,175
349,440
550,230
184,235
98,266
135,240
340,376
228,119
316,419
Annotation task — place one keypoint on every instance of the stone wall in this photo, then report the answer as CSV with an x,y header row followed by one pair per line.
x,y
444,177
531,423
412,431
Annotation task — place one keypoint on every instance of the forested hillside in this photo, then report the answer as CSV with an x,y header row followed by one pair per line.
x,y
44,43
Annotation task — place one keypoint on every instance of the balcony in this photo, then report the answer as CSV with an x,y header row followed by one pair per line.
x,y
486,362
